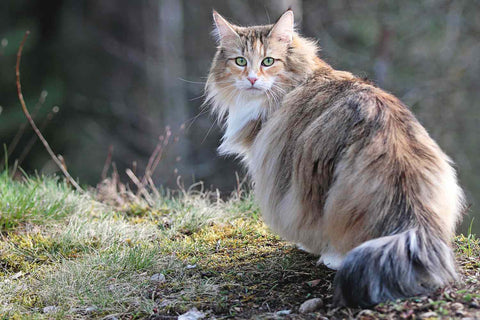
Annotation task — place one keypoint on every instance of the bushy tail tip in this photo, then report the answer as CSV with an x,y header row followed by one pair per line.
x,y
410,263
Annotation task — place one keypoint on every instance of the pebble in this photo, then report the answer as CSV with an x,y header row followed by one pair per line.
x,y
91,309
314,283
283,312
158,277
474,305
311,305
430,314
457,306
366,312
50,309
192,314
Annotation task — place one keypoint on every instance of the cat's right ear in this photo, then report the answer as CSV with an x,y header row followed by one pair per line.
x,y
223,30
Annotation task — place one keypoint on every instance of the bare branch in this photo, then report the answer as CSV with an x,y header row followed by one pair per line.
x,y
32,123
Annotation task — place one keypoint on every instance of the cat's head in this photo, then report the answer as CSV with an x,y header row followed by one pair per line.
x,y
256,63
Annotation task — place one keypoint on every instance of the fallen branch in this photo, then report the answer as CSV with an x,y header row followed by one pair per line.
x,y
32,123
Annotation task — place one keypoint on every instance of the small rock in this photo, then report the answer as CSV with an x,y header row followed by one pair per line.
x,y
50,309
457,306
283,312
366,312
430,314
158,277
91,309
474,305
192,314
311,305
314,283
191,266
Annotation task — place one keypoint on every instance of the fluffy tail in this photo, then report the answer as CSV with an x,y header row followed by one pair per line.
x,y
403,265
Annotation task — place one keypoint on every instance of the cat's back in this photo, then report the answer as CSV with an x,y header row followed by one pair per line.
x,y
328,112
338,108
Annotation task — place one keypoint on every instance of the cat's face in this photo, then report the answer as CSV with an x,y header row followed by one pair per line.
x,y
250,62
252,65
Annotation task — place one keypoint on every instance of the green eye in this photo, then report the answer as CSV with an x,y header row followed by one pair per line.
x,y
268,61
241,61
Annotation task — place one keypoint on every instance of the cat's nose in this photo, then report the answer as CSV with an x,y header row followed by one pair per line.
x,y
252,80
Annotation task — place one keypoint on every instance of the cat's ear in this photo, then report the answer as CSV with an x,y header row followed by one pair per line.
x,y
283,29
223,31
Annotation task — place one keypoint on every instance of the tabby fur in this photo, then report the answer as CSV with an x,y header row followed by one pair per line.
x,y
339,166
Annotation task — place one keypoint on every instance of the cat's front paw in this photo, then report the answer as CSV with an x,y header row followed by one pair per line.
x,y
331,260
303,248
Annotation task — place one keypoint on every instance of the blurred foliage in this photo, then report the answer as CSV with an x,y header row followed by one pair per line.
x,y
120,71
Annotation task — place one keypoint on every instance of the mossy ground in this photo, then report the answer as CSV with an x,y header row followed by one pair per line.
x,y
85,259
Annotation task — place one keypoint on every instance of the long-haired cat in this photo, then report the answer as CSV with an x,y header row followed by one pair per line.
x,y
339,166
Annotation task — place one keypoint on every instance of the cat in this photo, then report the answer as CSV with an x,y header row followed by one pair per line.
x,y
339,166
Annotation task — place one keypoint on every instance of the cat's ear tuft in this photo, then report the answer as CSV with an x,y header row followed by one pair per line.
x,y
223,30
283,29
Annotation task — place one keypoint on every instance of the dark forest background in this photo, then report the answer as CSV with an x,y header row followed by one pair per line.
x,y
101,73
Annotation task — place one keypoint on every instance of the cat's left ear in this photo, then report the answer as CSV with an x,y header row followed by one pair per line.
x,y
283,29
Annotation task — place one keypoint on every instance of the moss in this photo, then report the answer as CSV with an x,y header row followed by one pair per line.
x,y
25,252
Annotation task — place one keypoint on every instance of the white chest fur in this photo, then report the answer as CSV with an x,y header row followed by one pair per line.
x,y
240,114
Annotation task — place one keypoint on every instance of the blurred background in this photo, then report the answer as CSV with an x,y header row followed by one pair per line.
x,y
104,75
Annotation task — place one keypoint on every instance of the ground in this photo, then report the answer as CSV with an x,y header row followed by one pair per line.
x,y
111,254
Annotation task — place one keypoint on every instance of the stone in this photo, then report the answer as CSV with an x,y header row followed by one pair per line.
x,y
91,309
50,309
192,314
457,306
311,305
158,277
283,312
427,315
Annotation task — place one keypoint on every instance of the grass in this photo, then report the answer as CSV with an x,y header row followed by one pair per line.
x,y
67,255
36,201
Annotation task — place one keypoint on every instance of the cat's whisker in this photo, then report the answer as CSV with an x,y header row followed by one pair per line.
x,y
188,123
192,82
199,97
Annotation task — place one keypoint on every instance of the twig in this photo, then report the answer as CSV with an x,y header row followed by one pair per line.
x,y
156,156
32,123
34,138
153,156
23,126
108,162
140,186
168,134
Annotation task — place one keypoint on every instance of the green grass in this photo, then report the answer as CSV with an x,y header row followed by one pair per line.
x,y
37,201
87,259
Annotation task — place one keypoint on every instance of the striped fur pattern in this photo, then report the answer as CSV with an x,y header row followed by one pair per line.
x,y
340,167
